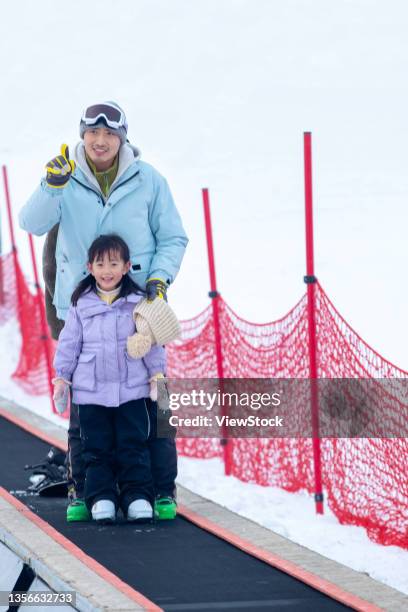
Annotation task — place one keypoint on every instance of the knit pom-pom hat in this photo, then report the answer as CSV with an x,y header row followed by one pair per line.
x,y
156,323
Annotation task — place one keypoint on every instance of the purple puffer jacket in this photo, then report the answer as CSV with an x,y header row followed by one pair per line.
x,y
92,352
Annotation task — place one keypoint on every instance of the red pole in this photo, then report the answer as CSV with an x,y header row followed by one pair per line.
x,y
214,295
311,280
215,300
2,297
13,246
43,322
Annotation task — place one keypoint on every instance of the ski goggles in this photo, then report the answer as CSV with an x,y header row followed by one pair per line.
x,y
113,116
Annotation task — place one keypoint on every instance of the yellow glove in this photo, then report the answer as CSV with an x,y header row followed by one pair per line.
x,y
59,169
155,287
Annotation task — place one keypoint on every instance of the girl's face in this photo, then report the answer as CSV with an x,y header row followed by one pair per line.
x,y
108,270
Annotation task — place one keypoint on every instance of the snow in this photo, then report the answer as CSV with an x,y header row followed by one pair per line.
x,y
218,94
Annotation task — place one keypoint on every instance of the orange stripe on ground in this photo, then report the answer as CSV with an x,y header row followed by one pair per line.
x,y
326,587
74,550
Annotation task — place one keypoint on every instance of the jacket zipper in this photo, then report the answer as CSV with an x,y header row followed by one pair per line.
x,y
101,194
124,182
86,186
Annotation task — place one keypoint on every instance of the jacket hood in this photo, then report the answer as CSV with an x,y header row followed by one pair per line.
x,y
128,154
89,304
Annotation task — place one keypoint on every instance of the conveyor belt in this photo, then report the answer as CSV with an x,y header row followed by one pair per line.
x,y
174,563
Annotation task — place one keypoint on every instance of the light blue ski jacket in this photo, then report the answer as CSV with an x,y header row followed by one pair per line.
x,y
139,207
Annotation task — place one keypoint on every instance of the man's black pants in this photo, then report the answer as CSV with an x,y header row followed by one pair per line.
x,y
162,453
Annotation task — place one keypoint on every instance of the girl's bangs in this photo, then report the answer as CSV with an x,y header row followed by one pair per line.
x,y
109,244
113,253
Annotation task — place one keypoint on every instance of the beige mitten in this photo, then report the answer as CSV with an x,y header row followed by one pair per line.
x,y
141,342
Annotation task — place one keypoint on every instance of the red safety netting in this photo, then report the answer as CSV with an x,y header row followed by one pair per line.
x,y
8,294
365,479
18,302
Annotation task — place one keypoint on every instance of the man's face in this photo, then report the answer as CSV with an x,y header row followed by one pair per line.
x,y
109,270
101,146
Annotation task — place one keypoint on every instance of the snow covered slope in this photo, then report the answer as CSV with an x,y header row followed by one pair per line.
x,y
218,94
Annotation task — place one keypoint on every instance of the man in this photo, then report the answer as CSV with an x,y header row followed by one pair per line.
x,y
107,189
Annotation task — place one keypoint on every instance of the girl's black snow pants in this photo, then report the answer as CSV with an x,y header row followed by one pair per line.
x,y
115,453
162,452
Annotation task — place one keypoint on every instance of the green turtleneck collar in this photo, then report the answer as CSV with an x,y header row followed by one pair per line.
x,y
106,177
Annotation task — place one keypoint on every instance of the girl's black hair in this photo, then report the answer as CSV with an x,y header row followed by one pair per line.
x,y
108,243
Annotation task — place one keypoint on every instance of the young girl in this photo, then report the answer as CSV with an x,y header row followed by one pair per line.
x,y
109,386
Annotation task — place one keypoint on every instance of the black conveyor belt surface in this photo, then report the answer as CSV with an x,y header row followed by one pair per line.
x,y
174,563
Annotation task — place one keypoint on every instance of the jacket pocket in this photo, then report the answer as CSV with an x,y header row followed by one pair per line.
x,y
136,372
140,267
84,376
